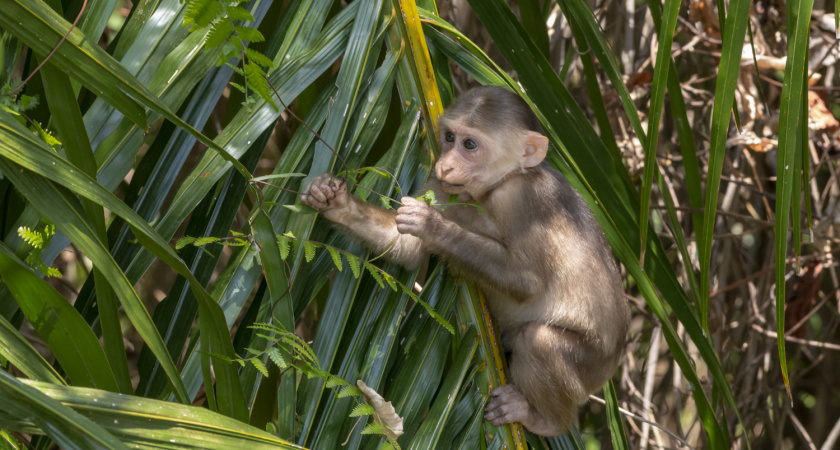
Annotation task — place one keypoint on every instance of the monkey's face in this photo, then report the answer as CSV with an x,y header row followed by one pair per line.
x,y
471,159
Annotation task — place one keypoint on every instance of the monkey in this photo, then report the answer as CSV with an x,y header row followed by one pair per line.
x,y
534,247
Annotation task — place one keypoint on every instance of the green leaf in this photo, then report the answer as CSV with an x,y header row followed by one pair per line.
x,y
219,34
661,71
277,358
202,241
260,366
429,434
362,409
201,13
34,23
790,121
239,13
374,272
385,202
617,434
309,249
354,264
65,427
148,423
249,34
61,327
728,72
336,257
184,241
283,244
17,350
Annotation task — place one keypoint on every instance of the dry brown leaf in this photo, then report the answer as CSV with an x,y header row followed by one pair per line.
x,y
385,414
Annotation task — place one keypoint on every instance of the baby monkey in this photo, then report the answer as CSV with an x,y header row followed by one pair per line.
x,y
535,248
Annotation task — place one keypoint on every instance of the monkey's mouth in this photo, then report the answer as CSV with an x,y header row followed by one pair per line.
x,y
450,188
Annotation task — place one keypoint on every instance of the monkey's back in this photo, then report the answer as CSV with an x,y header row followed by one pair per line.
x,y
548,226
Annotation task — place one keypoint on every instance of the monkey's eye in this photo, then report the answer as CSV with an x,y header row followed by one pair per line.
x,y
470,144
450,136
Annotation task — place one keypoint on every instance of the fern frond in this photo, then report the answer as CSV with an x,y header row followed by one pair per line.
x,y
219,34
239,13
309,250
362,410
277,358
184,241
336,257
355,265
284,244
259,58
257,82
201,13
258,364
248,34
374,272
31,237
373,428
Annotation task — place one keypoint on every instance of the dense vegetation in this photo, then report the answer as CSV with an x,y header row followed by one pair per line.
x,y
162,286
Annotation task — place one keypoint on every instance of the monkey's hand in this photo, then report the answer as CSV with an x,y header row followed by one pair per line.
x,y
328,195
417,218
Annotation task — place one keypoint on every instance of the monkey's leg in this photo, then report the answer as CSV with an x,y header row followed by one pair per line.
x,y
548,370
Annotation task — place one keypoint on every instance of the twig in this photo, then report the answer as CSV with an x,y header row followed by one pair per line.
x,y
634,416
796,340
832,437
805,436
55,49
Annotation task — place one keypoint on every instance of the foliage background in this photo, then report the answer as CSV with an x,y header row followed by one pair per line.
x,y
738,230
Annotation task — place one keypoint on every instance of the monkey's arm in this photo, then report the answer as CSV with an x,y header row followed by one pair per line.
x,y
484,257
375,227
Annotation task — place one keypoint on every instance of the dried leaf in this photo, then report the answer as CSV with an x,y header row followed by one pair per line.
x,y
384,412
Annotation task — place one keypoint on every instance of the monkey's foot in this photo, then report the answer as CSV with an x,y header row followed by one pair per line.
x,y
509,405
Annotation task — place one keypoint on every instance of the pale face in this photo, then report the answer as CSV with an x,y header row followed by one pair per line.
x,y
472,160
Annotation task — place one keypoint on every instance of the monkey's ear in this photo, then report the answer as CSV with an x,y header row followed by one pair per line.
x,y
536,147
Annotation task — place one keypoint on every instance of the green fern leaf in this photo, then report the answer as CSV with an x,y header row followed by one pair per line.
x,y
31,237
386,202
205,240
309,250
248,34
333,381
219,34
257,82
336,257
354,264
283,243
184,241
259,366
373,428
200,13
239,13
391,281
259,58
374,272
349,391
440,319
362,410
277,358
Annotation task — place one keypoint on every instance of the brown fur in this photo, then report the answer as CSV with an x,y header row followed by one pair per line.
x,y
550,279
